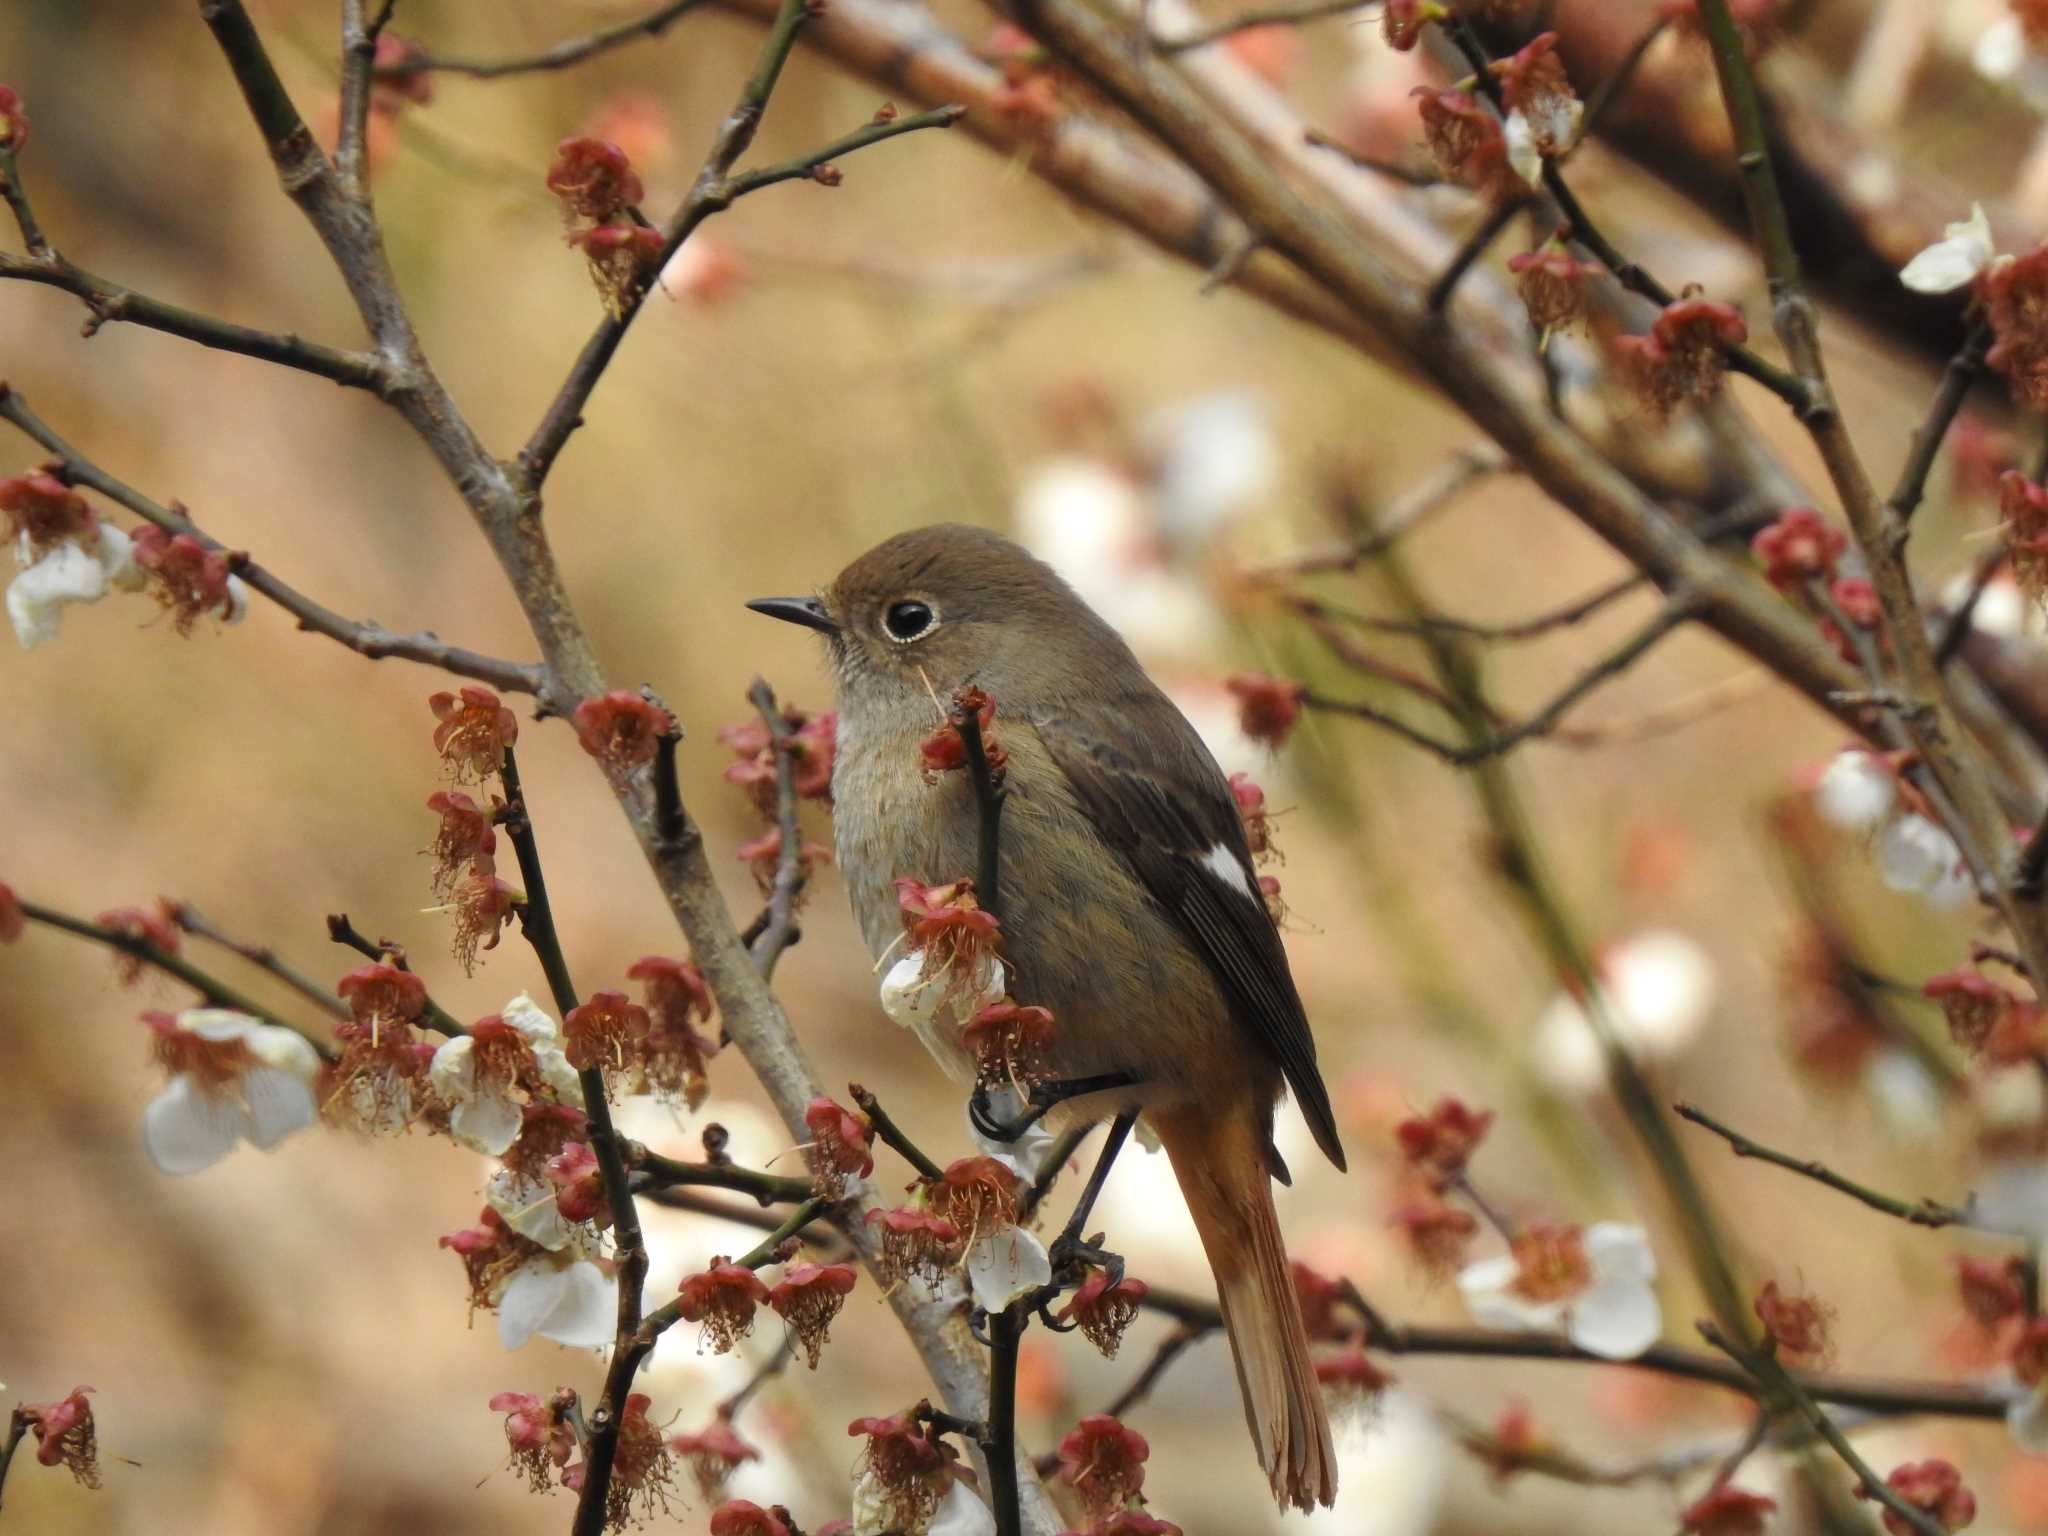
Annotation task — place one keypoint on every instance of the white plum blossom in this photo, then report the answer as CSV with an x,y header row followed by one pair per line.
x,y
1212,457
1095,525
1905,1093
2012,1197
528,1206
66,572
937,1007
560,1296
1025,1156
1916,856
1955,260
1525,158
961,1513
233,1079
1005,1265
2026,1418
1857,791
2001,49
1657,989
1608,1309
482,1074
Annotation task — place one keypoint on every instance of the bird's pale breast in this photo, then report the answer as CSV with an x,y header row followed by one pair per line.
x,y
1126,989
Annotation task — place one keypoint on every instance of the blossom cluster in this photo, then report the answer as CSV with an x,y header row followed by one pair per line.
x,y
66,554
804,747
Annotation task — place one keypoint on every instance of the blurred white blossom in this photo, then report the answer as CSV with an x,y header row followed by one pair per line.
x,y
1213,457
1916,856
1612,1313
1857,790
1657,989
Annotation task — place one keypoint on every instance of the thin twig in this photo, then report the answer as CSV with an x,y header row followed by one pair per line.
x,y
1475,245
365,639
385,952
1922,1213
1057,1156
17,1427
1493,743
1779,1383
1956,629
264,958
1393,170
1787,385
1956,379
1609,90
1522,629
891,1133
988,804
714,190
1428,496
217,993
1169,1350
730,1406
537,922
1875,1394
109,302
1271,16
653,1171
776,930
561,56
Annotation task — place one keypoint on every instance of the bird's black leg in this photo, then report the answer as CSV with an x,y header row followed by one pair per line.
x,y
1045,1097
1068,1249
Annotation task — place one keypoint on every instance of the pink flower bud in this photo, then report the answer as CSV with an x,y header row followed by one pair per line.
x,y
622,730
1268,707
594,179
13,121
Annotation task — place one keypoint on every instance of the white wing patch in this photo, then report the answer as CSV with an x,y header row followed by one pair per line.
x,y
1223,864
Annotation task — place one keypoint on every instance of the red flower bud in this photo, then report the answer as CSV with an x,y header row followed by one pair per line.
x,y
65,1435
1267,707
1797,547
1933,1486
13,121
593,178
1728,1511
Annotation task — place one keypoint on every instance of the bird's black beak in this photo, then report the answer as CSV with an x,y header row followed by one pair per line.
x,y
807,611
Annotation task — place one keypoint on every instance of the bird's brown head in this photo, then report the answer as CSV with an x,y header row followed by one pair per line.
x,y
936,608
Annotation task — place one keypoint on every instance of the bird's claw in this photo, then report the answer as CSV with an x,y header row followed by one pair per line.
x,y
981,1114
1072,1256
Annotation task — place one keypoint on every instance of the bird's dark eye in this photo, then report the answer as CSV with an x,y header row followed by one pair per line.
x,y
908,619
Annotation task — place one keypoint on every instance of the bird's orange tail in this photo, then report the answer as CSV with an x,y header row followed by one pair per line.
x,y
1221,1164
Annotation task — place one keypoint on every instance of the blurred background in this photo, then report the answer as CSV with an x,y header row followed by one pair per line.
x,y
278,1345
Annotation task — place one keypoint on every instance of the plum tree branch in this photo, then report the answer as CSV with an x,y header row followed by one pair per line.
x,y
1980,825
562,55
1921,1213
217,993
365,638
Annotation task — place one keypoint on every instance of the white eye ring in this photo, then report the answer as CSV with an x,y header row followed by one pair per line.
x,y
908,619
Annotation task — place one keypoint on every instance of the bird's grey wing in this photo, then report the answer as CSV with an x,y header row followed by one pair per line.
x,y
1173,820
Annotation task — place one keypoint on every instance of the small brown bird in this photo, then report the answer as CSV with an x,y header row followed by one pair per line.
x,y
1129,906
